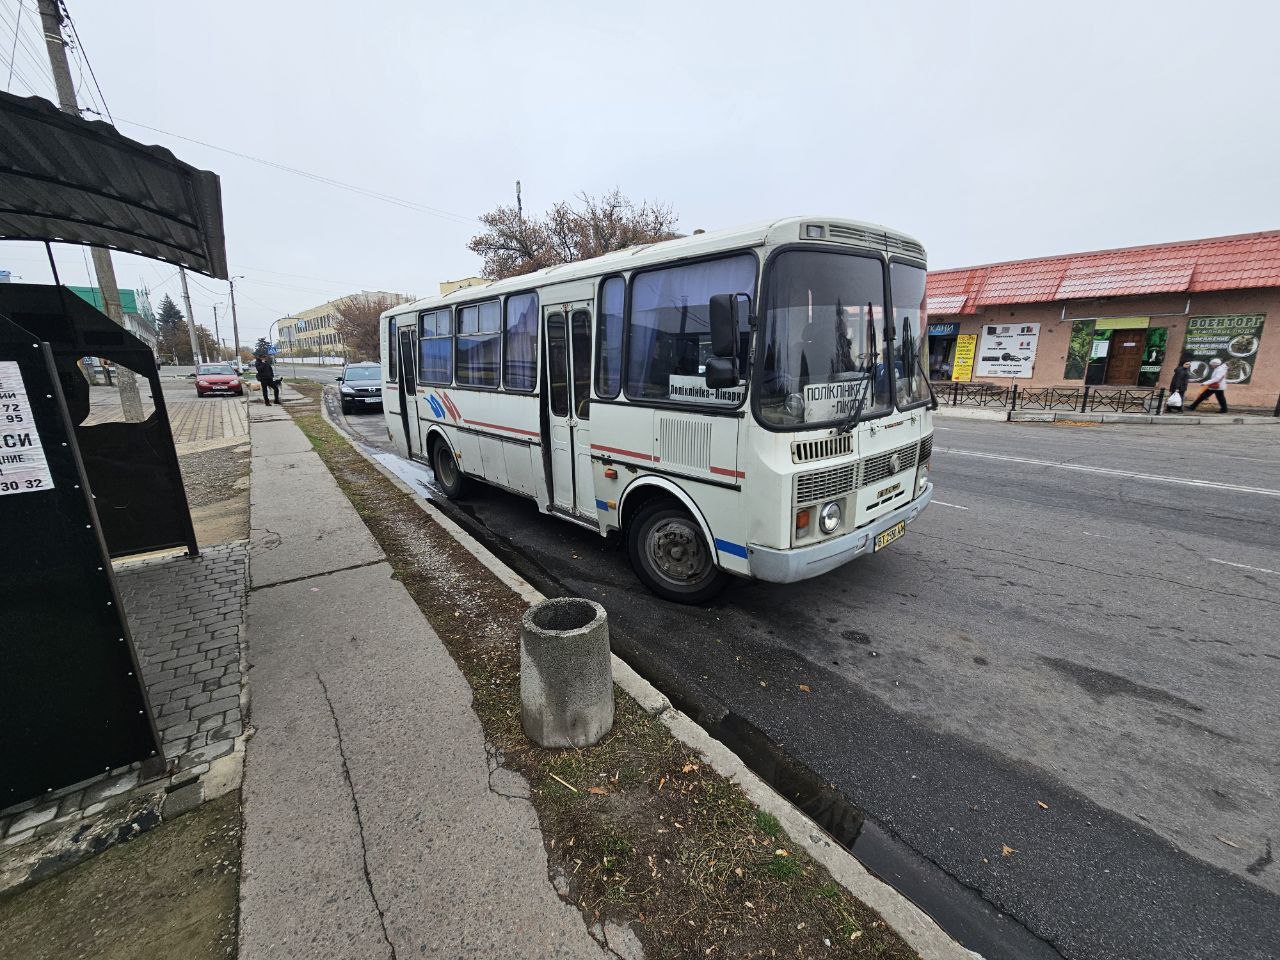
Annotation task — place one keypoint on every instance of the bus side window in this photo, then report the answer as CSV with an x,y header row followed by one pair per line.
x,y
557,365
393,351
520,353
609,339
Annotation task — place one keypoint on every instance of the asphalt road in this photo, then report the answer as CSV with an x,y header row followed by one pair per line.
x,y
1059,690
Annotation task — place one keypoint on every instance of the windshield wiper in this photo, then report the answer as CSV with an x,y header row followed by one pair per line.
x,y
855,415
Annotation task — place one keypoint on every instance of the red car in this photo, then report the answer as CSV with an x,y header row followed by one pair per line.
x,y
218,378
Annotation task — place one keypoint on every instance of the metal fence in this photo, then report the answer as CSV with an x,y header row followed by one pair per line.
x,y
1083,399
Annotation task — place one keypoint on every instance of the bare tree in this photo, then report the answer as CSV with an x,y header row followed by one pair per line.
x,y
357,323
587,227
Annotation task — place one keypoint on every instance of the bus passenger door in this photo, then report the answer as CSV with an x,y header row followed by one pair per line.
x,y
569,408
409,390
559,407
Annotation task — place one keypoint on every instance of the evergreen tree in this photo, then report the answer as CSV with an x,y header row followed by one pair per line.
x,y
174,343
262,347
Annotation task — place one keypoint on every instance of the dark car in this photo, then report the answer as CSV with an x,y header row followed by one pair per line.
x,y
218,378
360,386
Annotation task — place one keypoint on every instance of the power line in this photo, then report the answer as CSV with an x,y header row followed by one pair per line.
x,y
35,58
13,52
81,52
319,178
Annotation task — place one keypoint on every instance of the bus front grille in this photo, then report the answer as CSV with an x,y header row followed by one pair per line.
x,y
826,484
882,465
926,448
805,451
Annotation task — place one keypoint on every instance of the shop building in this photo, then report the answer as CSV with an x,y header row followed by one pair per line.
x,y
1119,318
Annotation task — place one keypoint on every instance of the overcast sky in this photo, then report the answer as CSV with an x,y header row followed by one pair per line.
x,y
990,131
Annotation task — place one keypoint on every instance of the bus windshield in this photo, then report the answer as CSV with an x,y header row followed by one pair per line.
x,y
823,347
906,286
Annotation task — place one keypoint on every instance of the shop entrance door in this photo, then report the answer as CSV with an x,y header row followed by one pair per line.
x,y
1125,357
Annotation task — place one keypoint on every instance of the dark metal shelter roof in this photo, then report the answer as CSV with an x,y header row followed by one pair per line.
x,y
71,180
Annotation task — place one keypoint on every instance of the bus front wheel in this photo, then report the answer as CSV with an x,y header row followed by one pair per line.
x,y
671,556
449,476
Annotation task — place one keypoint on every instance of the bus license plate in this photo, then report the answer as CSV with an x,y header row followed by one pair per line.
x,y
893,533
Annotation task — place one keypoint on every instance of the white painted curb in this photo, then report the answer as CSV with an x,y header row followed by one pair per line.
x,y
913,924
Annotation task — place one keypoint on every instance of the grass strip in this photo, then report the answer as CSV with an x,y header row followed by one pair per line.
x,y
638,830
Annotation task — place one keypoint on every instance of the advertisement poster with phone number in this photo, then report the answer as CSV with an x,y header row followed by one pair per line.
x,y
1233,339
1008,350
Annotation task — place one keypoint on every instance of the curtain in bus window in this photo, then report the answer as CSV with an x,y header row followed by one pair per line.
x,y
520,358
479,344
435,348
609,339
669,336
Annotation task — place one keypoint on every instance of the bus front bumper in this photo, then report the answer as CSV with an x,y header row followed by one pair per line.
x,y
801,563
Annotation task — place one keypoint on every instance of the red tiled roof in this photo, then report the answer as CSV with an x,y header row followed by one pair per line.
x,y
1192,266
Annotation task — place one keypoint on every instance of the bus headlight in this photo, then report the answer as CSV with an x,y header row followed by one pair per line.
x,y
922,479
829,518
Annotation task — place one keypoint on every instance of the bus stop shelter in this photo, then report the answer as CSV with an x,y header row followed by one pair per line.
x,y
74,495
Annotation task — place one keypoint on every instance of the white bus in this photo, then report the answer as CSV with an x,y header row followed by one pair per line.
x,y
744,402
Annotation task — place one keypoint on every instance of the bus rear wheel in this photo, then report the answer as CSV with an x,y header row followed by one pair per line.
x,y
449,477
671,556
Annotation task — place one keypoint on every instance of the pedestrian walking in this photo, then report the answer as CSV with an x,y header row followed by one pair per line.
x,y
1178,388
266,374
1215,385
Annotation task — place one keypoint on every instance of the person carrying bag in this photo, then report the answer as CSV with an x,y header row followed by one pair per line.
x,y
1178,388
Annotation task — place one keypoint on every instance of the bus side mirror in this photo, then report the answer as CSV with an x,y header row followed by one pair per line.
x,y
724,326
722,373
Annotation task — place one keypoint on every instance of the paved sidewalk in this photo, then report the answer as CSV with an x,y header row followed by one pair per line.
x,y
374,826
1003,414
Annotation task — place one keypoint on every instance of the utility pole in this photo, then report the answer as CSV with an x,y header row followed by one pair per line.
x,y
56,45
217,334
235,325
519,203
191,320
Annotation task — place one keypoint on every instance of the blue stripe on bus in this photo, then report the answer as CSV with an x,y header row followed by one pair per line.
x,y
602,505
736,549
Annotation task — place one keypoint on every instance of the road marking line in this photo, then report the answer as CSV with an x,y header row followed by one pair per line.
x,y
953,505
1110,472
1245,566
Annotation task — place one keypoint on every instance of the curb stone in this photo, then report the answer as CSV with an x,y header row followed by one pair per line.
x,y
912,924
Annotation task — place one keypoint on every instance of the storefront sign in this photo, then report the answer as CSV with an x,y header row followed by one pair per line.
x,y
944,329
966,347
1234,339
23,468
1008,350
1122,323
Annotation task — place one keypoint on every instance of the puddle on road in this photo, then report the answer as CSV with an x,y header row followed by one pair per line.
x,y
957,909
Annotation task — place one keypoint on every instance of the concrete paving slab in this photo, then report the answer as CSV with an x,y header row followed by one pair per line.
x,y
301,524
368,802
278,436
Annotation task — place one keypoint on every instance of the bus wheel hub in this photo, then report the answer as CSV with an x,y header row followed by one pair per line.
x,y
676,551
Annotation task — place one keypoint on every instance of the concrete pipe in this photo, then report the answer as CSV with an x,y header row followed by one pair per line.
x,y
566,675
